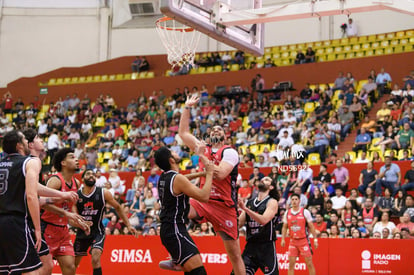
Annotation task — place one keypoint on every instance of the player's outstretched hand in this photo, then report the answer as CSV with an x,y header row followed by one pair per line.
x,y
38,243
77,220
282,243
133,231
70,196
209,167
200,148
192,101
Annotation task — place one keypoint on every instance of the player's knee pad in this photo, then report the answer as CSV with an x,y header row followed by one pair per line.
x,y
197,271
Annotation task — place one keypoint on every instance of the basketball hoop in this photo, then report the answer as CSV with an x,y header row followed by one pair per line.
x,y
179,40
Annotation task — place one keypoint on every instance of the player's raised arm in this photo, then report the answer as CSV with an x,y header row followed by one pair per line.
x,y
184,128
120,211
263,219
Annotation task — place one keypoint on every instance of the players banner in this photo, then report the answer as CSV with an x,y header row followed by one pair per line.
x,y
128,255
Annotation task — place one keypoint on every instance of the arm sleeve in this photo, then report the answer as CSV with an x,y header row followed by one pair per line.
x,y
231,156
307,215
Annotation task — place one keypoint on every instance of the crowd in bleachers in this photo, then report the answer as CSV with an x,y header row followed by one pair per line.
x,y
305,129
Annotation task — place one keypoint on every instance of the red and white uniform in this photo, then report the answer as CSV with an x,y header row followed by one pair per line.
x,y
55,227
368,217
298,232
221,210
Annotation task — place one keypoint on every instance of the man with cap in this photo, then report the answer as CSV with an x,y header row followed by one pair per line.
x,y
91,206
260,215
389,176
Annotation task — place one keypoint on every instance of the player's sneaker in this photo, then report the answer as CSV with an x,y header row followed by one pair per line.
x,y
169,265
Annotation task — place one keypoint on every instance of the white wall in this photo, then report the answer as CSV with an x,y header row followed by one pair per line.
x,y
34,41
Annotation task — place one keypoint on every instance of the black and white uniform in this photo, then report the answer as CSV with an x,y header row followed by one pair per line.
x,y
91,207
260,250
17,252
44,248
173,216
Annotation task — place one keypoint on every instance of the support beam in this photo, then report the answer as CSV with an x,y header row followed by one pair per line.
x,y
313,9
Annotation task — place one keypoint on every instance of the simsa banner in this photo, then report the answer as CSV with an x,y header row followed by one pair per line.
x,y
128,255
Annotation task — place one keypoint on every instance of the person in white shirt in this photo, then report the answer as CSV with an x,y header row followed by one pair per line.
x,y
305,177
338,201
351,29
363,158
285,141
303,199
101,180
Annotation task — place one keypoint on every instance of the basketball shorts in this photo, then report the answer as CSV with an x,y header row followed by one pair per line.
x,y
81,245
260,255
44,248
177,241
300,247
222,217
17,246
58,239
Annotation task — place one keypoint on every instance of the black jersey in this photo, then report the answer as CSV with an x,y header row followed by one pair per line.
x,y
91,207
13,185
174,209
255,231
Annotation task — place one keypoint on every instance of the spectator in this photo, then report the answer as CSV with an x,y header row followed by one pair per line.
x,y
405,138
405,223
409,179
117,185
347,213
300,57
339,82
385,203
255,176
346,120
389,176
245,191
369,214
399,203
319,225
303,200
305,177
321,142
101,180
362,158
153,177
315,199
362,229
387,140
409,207
310,55
362,141
341,175
351,29
113,224
339,200
368,177
384,223
382,80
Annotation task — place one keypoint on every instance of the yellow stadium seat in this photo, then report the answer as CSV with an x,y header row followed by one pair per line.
x,y
107,155
356,47
331,57
394,42
66,80
399,49
127,76
384,43
314,159
401,153
89,78
375,45
404,41
379,52
388,50
400,34
317,44
327,43
322,58
234,67
329,50
100,157
267,50
142,75
292,47
119,77
353,40
340,56
74,80
52,81
59,81
372,38
134,76
82,79
309,107
365,46
104,77
363,39
286,62
372,147
245,122
99,122
283,48
275,49
293,54
97,78
254,149
105,166
276,56
184,163
350,55
387,153
112,77
285,54
320,51
369,53
338,49
409,33
217,68
347,48
359,54
390,35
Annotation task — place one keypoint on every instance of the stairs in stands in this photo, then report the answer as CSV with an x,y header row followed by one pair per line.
x,y
348,143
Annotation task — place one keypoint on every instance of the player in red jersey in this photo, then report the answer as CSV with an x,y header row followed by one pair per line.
x,y
221,209
54,226
298,220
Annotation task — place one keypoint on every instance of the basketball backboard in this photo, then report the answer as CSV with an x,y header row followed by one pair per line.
x,y
204,16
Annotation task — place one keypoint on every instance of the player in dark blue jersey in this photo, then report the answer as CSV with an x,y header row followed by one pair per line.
x,y
174,191
259,215
91,206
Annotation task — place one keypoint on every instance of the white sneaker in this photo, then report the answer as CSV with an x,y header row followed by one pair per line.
x,y
169,265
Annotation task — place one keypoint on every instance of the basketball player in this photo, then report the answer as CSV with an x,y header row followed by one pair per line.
x,y
91,206
221,209
175,191
19,176
298,220
54,226
36,149
259,215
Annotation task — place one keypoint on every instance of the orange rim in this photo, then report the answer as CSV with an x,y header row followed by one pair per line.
x,y
164,19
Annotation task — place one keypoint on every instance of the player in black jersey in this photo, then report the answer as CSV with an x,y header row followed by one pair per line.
x,y
19,176
259,215
91,206
174,191
37,149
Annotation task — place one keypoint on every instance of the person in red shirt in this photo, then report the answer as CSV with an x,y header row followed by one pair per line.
x,y
297,219
245,191
319,224
405,223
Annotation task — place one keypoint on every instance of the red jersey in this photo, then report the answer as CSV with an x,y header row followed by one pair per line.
x,y
55,219
348,218
368,217
222,190
297,224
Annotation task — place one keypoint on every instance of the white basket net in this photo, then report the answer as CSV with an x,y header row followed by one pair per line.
x,y
179,40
